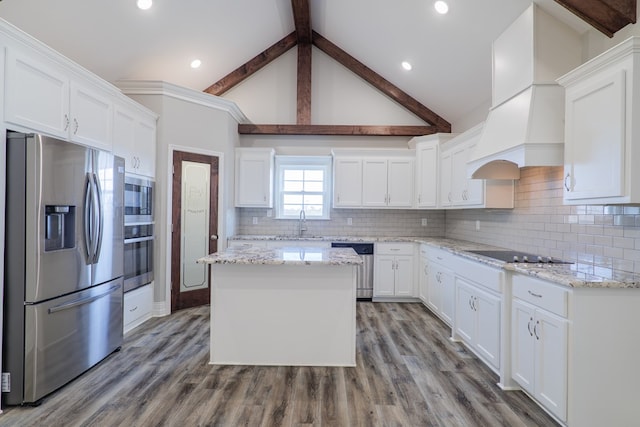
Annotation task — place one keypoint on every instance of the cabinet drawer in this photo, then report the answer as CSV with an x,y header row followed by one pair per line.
x,y
394,248
437,255
489,277
543,294
137,306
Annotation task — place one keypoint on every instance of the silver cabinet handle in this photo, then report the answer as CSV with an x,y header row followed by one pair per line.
x,y
535,295
66,121
529,326
535,329
565,182
133,309
75,126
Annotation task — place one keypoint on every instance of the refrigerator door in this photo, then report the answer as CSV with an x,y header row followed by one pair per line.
x,y
48,215
108,256
69,335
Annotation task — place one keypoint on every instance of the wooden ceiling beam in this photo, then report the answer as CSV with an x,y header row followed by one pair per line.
x,y
365,130
380,83
302,20
253,65
607,16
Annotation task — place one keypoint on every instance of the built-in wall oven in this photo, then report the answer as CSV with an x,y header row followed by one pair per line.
x,y
138,232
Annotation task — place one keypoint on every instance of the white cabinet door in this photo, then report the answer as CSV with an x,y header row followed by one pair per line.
x,y
146,146
447,295
374,182
124,136
384,276
488,327
91,115
423,281
523,344
458,175
595,138
36,94
427,175
434,297
400,181
446,185
254,177
465,312
347,182
551,362
404,276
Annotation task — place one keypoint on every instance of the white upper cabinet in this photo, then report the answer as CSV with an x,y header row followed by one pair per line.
x,y
602,150
387,182
458,191
40,95
134,138
254,177
428,168
347,182
373,178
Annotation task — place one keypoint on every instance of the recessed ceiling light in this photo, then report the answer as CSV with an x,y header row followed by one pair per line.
x,y
441,7
144,4
196,63
406,65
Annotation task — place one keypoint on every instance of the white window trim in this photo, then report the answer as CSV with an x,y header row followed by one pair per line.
x,y
321,162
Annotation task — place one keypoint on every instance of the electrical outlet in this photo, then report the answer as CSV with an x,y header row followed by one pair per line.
x,y
424,222
477,225
349,221
255,220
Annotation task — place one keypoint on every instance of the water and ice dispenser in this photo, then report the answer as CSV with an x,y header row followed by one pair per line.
x,y
59,227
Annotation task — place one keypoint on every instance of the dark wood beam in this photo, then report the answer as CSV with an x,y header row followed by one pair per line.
x,y
607,16
303,111
302,20
253,129
381,83
253,65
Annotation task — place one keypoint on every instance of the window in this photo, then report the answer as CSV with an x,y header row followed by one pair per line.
x,y
303,183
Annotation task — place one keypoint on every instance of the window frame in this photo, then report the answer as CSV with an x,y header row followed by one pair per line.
x,y
284,162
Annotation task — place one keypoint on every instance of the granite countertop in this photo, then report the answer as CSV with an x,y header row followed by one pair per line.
x,y
284,256
577,275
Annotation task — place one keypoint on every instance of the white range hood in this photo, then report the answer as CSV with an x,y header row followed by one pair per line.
x,y
525,126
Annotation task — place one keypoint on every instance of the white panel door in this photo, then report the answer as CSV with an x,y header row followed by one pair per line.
x,y
445,179
374,182
523,344
36,94
146,146
488,327
404,276
423,280
595,138
427,171
91,117
124,137
400,181
551,362
447,295
465,312
347,182
384,276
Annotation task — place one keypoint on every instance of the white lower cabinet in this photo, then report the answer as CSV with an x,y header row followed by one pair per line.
x,y
393,270
477,320
436,285
138,305
539,355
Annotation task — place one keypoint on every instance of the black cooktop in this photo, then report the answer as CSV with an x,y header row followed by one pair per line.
x,y
523,257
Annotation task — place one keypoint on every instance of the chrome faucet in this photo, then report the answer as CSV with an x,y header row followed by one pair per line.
x,y
302,223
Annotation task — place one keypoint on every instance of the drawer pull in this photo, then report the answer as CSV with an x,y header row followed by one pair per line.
x,y
133,309
534,295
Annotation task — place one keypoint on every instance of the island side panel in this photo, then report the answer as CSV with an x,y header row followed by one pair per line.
x,y
293,315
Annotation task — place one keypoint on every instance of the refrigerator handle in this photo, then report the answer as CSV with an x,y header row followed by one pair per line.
x,y
100,219
88,219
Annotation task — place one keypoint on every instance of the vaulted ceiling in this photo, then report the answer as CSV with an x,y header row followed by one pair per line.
x,y
450,53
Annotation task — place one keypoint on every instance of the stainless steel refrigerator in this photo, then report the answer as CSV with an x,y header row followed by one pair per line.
x,y
63,281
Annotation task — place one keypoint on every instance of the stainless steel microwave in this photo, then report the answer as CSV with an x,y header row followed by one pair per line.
x,y
138,200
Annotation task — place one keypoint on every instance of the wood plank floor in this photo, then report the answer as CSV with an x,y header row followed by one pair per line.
x,y
408,374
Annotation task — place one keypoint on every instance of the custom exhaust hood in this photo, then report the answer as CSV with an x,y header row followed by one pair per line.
x,y
525,125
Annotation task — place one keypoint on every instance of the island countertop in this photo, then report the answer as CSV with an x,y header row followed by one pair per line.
x,y
284,256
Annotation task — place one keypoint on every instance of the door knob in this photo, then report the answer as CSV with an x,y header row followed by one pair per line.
x,y
214,237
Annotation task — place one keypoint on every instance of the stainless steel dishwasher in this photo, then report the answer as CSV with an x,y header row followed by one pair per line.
x,y
364,276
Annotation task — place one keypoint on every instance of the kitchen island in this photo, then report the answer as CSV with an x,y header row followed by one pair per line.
x,y
287,306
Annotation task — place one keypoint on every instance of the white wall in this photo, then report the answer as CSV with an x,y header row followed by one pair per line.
x,y
189,122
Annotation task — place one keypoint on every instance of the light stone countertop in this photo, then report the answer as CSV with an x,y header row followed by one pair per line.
x,y
577,275
284,256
